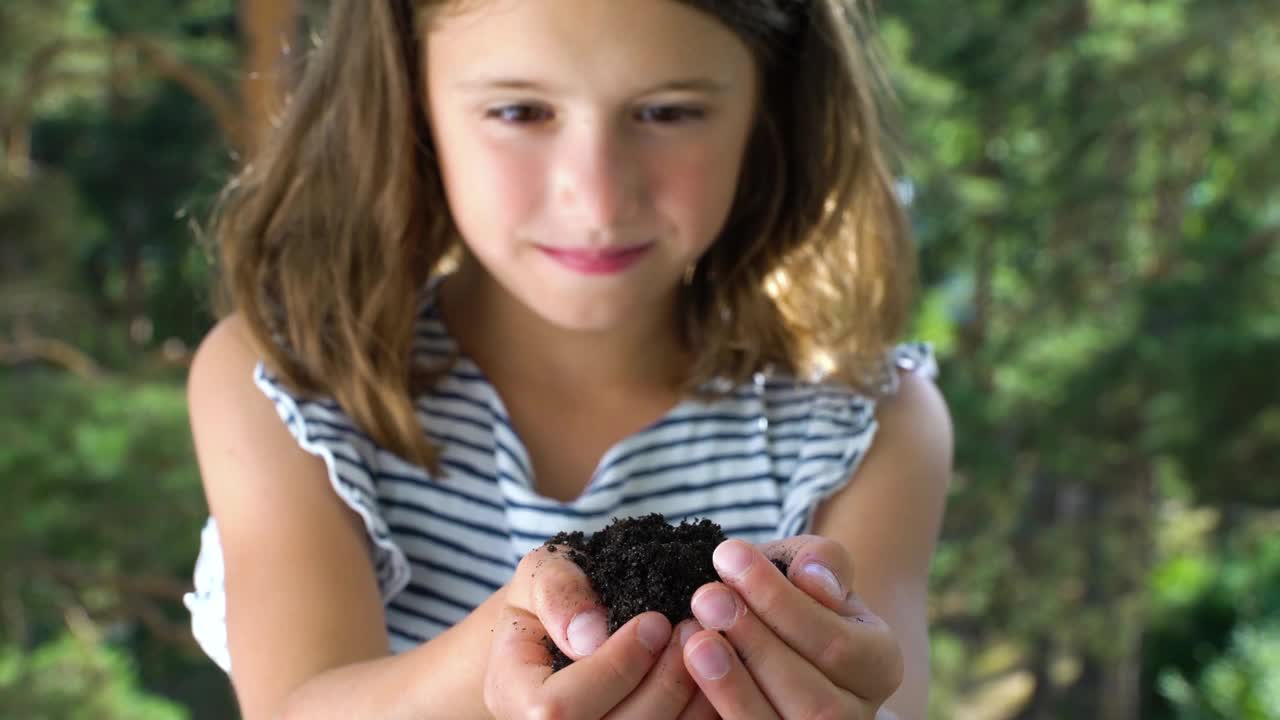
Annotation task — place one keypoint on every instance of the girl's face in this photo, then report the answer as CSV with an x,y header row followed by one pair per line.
x,y
589,149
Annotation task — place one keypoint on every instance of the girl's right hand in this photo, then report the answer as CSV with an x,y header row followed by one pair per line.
x,y
638,672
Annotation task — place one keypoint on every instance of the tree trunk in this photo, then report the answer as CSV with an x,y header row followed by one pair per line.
x,y
17,150
1043,695
1123,684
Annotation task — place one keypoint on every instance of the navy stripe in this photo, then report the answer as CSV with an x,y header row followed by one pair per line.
x,y
731,530
467,469
569,512
467,376
347,454
405,635
618,510
750,420
631,499
444,487
487,585
700,487
714,437
338,446
790,402
414,507
820,457
685,465
668,444
515,458
438,414
812,476
432,329
445,439
419,614
337,427
468,401
503,476
436,595
735,530
459,548
444,345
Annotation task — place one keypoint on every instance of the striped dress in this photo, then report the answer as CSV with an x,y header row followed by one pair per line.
x,y
757,461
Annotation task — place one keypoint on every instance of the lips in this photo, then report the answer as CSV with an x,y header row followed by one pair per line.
x,y
597,261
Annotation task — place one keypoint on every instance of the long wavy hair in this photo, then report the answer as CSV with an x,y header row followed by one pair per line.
x,y
327,238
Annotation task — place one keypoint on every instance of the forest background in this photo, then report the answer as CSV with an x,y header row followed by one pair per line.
x,y
1093,185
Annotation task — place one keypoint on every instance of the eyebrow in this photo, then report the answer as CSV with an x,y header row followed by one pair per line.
x,y
695,84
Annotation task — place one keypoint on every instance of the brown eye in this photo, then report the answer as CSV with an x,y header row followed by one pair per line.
x,y
519,114
670,114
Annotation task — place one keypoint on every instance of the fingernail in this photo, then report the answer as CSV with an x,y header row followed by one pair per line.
x,y
715,608
653,632
709,659
587,632
824,577
688,630
732,557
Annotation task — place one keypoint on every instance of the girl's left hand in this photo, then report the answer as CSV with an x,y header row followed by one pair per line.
x,y
806,646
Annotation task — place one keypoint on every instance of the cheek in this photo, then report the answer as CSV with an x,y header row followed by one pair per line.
x,y
698,187
492,190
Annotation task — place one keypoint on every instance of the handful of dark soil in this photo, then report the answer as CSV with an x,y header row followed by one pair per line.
x,y
640,564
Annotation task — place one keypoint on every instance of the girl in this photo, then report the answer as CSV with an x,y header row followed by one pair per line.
x,y
512,267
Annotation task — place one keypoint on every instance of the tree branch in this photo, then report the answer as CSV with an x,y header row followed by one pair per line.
x,y
26,348
163,62
78,575
167,64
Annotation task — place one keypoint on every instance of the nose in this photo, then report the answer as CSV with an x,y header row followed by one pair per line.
x,y
598,179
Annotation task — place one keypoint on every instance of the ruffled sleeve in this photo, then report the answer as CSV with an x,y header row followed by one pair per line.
x,y
321,428
839,433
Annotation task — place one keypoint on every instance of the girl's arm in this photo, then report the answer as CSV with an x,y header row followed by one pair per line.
x,y
305,622
889,516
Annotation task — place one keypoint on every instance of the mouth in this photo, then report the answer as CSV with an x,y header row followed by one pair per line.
x,y
597,261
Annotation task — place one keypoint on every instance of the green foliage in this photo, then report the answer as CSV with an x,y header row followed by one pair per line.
x,y
151,214
1097,206
1214,621
1097,209
1241,684
81,459
76,678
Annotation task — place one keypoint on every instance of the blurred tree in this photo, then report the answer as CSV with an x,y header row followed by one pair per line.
x,y
76,678
1095,193
1098,216
119,121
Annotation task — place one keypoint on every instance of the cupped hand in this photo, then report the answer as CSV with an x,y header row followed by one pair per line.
x,y
795,646
638,672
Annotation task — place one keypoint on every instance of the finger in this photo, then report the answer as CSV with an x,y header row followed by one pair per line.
x,y
667,689
723,679
858,653
819,566
519,678
786,679
594,685
554,588
699,708
519,663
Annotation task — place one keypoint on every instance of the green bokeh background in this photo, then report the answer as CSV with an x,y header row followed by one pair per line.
x,y
1093,186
